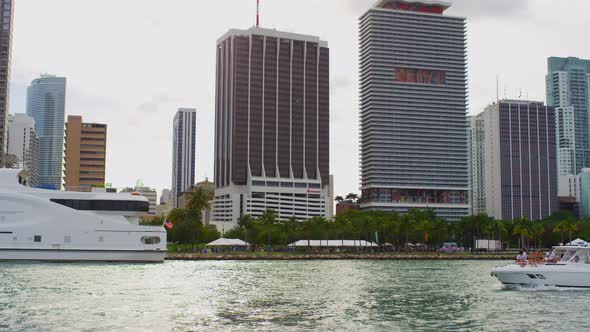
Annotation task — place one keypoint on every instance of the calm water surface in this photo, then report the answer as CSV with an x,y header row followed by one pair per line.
x,y
277,295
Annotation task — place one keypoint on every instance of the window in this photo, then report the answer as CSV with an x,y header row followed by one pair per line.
x,y
37,238
150,240
104,205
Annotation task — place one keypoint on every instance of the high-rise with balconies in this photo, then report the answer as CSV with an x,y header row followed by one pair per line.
x,y
568,91
413,105
272,126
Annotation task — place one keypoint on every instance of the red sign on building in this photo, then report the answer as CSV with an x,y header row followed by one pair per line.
x,y
420,76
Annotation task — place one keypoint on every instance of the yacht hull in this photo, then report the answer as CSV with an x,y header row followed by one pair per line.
x,y
66,255
560,276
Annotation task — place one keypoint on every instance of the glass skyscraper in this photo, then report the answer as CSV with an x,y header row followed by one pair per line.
x,y
568,91
46,104
413,105
183,154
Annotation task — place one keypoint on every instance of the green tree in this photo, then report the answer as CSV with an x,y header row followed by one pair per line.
x,y
352,196
338,199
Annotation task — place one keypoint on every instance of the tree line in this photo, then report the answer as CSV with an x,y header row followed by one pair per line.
x,y
187,223
417,226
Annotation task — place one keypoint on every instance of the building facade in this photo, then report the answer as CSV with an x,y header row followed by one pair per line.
x,y
584,190
476,169
148,193
46,105
85,154
21,136
519,160
6,19
413,105
183,151
272,126
568,91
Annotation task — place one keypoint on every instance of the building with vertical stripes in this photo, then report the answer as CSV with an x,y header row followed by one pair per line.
x,y
183,151
517,146
568,91
46,104
272,126
6,19
413,106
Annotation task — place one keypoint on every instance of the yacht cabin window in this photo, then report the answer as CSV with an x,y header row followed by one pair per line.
x,y
150,239
37,238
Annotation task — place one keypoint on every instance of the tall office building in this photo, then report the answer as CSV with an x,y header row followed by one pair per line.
x,y
476,169
6,19
46,104
519,168
85,162
568,91
183,151
413,105
23,144
21,133
271,126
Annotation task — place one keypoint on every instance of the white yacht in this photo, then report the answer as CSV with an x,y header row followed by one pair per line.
x,y
571,269
49,225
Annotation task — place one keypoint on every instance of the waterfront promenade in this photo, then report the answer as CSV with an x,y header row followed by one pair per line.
x,y
261,256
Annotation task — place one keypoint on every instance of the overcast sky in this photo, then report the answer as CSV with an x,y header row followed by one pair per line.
x,y
133,63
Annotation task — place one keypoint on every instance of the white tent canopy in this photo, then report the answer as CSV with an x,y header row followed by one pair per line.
x,y
333,243
578,242
223,242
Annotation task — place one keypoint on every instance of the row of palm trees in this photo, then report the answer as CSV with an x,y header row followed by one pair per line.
x,y
416,226
187,222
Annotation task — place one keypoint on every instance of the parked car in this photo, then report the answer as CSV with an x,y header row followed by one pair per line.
x,y
450,247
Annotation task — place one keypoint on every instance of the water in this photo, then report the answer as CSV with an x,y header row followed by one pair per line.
x,y
277,295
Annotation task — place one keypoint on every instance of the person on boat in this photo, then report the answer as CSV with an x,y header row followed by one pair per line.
x,y
551,257
525,256
521,257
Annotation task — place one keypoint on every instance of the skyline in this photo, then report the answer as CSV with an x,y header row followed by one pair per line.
x,y
150,81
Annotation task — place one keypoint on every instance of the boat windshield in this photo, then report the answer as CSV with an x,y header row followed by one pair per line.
x,y
576,256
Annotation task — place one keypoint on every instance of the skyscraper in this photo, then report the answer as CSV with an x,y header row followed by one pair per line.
x,y
21,140
413,105
46,104
5,59
517,160
271,126
183,151
86,146
568,91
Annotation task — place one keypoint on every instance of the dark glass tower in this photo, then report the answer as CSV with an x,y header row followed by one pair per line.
x,y
272,124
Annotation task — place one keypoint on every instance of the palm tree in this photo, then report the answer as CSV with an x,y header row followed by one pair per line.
x,y
523,228
569,226
426,227
197,202
338,199
176,216
352,196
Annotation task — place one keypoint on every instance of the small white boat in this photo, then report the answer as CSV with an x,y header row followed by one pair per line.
x,y
570,270
49,225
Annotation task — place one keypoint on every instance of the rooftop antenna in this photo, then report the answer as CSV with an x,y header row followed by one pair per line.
x,y
497,89
257,13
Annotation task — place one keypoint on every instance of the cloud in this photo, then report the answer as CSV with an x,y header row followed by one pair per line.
x,y
153,106
473,9
486,9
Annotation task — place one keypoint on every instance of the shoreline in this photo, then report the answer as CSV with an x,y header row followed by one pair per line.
x,y
327,256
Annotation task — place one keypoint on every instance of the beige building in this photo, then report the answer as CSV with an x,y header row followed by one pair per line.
x,y
85,156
